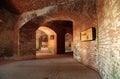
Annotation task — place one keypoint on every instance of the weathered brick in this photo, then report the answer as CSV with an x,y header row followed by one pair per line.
x,y
108,39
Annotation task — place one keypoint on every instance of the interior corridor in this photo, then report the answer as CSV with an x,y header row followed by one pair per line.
x,y
64,67
87,29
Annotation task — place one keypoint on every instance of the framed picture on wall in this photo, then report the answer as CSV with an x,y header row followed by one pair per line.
x,y
88,35
51,37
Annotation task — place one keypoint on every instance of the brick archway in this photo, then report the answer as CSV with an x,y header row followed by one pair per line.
x,y
46,41
26,44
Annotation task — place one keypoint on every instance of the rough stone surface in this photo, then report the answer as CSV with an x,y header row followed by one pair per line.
x,y
108,58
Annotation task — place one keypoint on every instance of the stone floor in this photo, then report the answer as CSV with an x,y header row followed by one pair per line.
x,y
50,68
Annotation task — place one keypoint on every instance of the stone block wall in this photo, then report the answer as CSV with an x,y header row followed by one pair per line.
x,y
108,57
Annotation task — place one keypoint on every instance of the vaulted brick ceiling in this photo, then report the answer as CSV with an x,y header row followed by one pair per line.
x,y
20,6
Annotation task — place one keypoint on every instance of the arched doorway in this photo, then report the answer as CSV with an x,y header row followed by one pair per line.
x,y
45,41
41,42
26,36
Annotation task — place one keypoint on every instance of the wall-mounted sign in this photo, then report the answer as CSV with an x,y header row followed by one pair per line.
x,y
89,34
51,37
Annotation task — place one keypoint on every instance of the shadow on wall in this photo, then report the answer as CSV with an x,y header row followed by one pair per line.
x,y
7,22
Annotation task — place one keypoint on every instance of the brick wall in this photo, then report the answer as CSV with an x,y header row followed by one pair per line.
x,y
85,52
27,46
108,57
103,53
82,14
7,31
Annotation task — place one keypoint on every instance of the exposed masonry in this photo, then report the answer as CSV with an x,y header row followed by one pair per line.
x,y
82,9
108,57
7,31
27,16
102,54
